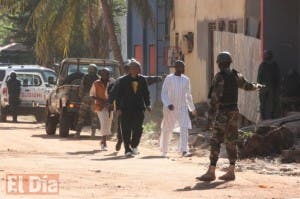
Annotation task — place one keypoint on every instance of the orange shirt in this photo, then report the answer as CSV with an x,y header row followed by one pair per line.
x,y
99,90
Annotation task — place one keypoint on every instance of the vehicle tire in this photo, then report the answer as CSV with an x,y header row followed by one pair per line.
x,y
51,124
2,114
41,116
64,124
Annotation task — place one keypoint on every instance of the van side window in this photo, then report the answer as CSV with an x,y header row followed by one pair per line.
x,y
29,80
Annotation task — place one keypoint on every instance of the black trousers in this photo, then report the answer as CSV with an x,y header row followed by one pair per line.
x,y
13,107
119,131
131,128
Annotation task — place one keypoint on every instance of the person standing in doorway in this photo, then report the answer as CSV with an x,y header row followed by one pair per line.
x,y
14,90
269,75
177,101
132,98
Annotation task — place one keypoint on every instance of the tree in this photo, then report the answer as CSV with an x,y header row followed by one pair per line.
x,y
107,15
65,28
145,11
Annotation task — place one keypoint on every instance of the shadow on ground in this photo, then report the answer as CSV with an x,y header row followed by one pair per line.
x,y
206,186
70,138
123,157
153,157
92,152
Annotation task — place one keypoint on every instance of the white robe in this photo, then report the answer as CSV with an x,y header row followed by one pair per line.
x,y
176,90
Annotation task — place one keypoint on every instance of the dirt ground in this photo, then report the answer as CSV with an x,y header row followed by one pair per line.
x,y
85,172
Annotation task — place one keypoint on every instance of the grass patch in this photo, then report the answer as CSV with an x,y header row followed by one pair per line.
x,y
150,127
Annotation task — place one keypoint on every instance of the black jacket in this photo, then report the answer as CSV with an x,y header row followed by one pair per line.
x,y
14,90
126,98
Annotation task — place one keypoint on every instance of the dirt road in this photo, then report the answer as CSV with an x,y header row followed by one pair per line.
x,y
85,172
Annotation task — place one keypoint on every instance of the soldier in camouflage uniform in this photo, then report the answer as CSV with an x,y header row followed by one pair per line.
x,y
86,109
224,110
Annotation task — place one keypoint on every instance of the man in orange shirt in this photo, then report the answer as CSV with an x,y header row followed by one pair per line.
x,y
99,91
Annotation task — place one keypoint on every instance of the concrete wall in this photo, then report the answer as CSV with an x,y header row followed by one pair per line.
x,y
250,47
281,32
194,16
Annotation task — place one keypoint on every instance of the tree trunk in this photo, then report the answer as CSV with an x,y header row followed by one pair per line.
x,y
112,34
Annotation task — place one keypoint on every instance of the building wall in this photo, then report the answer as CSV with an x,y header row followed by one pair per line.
x,y
281,32
195,17
152,39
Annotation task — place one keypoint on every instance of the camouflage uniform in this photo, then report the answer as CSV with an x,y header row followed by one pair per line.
x,y
86,108
225,127
224,111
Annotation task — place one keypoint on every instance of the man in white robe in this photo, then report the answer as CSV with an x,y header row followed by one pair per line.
x,y
177,101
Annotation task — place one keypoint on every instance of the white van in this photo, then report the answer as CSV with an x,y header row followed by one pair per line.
x,y
36,84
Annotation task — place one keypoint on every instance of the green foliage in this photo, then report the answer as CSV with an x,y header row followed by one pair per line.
x,y
59,29
150,127
62,28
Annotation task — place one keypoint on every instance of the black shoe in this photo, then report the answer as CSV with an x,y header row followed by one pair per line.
x,y
118,145
128,153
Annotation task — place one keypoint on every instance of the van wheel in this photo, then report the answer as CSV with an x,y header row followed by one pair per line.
x,y
51,124
64,124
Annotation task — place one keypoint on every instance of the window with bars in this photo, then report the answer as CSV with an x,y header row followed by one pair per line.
x,y
232,26
222,25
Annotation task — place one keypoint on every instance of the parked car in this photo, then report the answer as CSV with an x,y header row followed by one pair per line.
x,y
36,83
3,69
63,103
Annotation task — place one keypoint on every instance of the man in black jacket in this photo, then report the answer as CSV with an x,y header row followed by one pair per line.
x,y
112,95
132,98
14,90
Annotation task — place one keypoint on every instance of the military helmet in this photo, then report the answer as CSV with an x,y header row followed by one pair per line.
x,y
224,57
92,69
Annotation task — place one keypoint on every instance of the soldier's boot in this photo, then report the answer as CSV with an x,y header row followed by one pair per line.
x,y
210,175
230,175
93,134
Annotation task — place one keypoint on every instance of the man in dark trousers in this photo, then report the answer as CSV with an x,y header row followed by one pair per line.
x,y
14,89
269,75
132,98
112,95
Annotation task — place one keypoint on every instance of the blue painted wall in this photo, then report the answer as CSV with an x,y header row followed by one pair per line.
x,y
157,35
